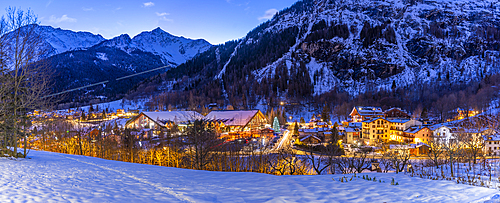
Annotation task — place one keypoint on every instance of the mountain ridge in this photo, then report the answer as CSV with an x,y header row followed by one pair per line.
x,y
315,47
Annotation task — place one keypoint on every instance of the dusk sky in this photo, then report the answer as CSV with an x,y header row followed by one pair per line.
x,y
217,21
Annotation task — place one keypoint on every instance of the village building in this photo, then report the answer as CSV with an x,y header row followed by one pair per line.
x,y
156,121
362,113
418,134
313,134
441,131
375,131
236,124
310,139
396,113
352,135
492,145
398,128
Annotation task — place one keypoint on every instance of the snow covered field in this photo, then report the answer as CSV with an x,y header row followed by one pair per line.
x,y
53,177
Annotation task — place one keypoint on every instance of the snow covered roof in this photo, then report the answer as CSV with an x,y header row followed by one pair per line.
x,y
395,108
314,130
368,110
414,129
399,120
307,136
437,126
350,130
374,119
120,122
233,118
495,137
355,124
173,116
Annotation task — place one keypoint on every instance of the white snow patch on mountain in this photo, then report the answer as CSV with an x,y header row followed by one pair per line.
x,y
101,56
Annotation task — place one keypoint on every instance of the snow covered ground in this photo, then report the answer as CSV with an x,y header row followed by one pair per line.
x,y
114,105
53,177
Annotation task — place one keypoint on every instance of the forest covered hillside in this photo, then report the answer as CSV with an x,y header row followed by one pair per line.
x,y
345,49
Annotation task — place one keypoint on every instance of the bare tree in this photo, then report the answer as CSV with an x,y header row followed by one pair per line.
x,y
286,162
24,82
453,148
356,164
436,150
202,143
474,144
320,159
399,158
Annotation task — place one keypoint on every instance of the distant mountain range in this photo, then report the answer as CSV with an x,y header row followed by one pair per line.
x,y
83,58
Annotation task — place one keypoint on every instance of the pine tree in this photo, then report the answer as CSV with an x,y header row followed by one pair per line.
x,y
296,129
325,114
276,125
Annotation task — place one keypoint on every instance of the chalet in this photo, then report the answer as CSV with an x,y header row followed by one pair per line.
x,y
419,149
442,131
319,133
154,120
239,123
351,135
310,139
396,113
417,134
362,113
398,128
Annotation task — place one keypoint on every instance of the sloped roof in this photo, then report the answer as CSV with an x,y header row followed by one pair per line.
x,y
373,119
173,116
351,130
307,136
232,118
495,137
414,129
355,124
436,126
368,110
398,120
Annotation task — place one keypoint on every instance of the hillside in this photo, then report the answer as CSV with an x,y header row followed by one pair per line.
x,y
54,177
315,47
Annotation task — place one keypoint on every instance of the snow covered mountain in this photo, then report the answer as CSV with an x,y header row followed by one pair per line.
x,y
58,40
172,49
316,46
80,58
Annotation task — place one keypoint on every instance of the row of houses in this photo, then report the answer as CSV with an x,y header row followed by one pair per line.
x,y
372,126
231,124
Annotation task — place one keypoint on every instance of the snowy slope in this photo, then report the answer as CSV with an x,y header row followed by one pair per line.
x,y
172,49
58,40
415,53
53,177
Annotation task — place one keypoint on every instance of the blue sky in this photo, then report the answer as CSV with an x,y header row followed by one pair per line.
x,y
217,21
